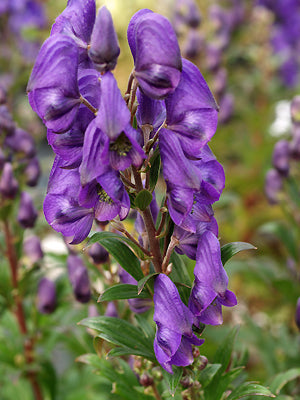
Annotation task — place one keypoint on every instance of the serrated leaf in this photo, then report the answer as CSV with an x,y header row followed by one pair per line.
x,y
142,282
249,389
123,291
155,168
121,333
281,379
143,199
230,249
120,251
173,379
98,237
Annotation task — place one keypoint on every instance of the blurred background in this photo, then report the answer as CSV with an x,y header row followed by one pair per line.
x,y
249,53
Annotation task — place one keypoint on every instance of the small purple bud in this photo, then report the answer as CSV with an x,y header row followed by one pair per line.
x,y
93,311
46,296
27,213
6,121
295,142
273,185
32,249
295,109
188,12
79,278
111,310
220,82
226,108
213,57
21,142
98,253
297,314
104,48
281,157
193,45
2,95
8,183
32,172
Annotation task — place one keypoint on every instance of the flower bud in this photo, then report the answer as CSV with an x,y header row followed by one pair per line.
x,y
21,142
46,296
281,157
295,109
193,45
188,12
213,57
6,121
8,183
104,49
111,310
98,253
27,213
273,185
295,143
226,108
32,249
32,172
220,81
146,380
297,314
79,278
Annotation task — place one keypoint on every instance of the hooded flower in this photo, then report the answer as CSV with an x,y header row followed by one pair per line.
x,y
156,53
174,335
27,213
46,296
79,278
61,208
210,286
52,88
104,48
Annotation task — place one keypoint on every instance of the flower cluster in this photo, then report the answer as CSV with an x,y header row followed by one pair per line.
x,y
284,152
285,37
106,146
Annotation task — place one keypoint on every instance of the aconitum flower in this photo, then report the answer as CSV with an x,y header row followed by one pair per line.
x,y
156,53
46,296
174,335
79,278
210,287
52,88
27,213
104,47
8,184
281,157
32,249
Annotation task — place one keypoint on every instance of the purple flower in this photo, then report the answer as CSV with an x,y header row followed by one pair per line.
x,y
188,13
98,253
8,184
156,53
79,278
297,313
77,22
137,306
52,88
21,142
6,121
226,107
32,249
295,109
27,213
174,335
192,110
104,48
210,286
32,171
46,296
281,157
61,208
273,185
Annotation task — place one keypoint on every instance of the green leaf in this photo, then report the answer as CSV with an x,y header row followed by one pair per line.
x,y
113,243
173,379
143,199
206,375
224,351
123,291
283,378
230,249
98,237
249,389
155,168
121,333
142,282
146,327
